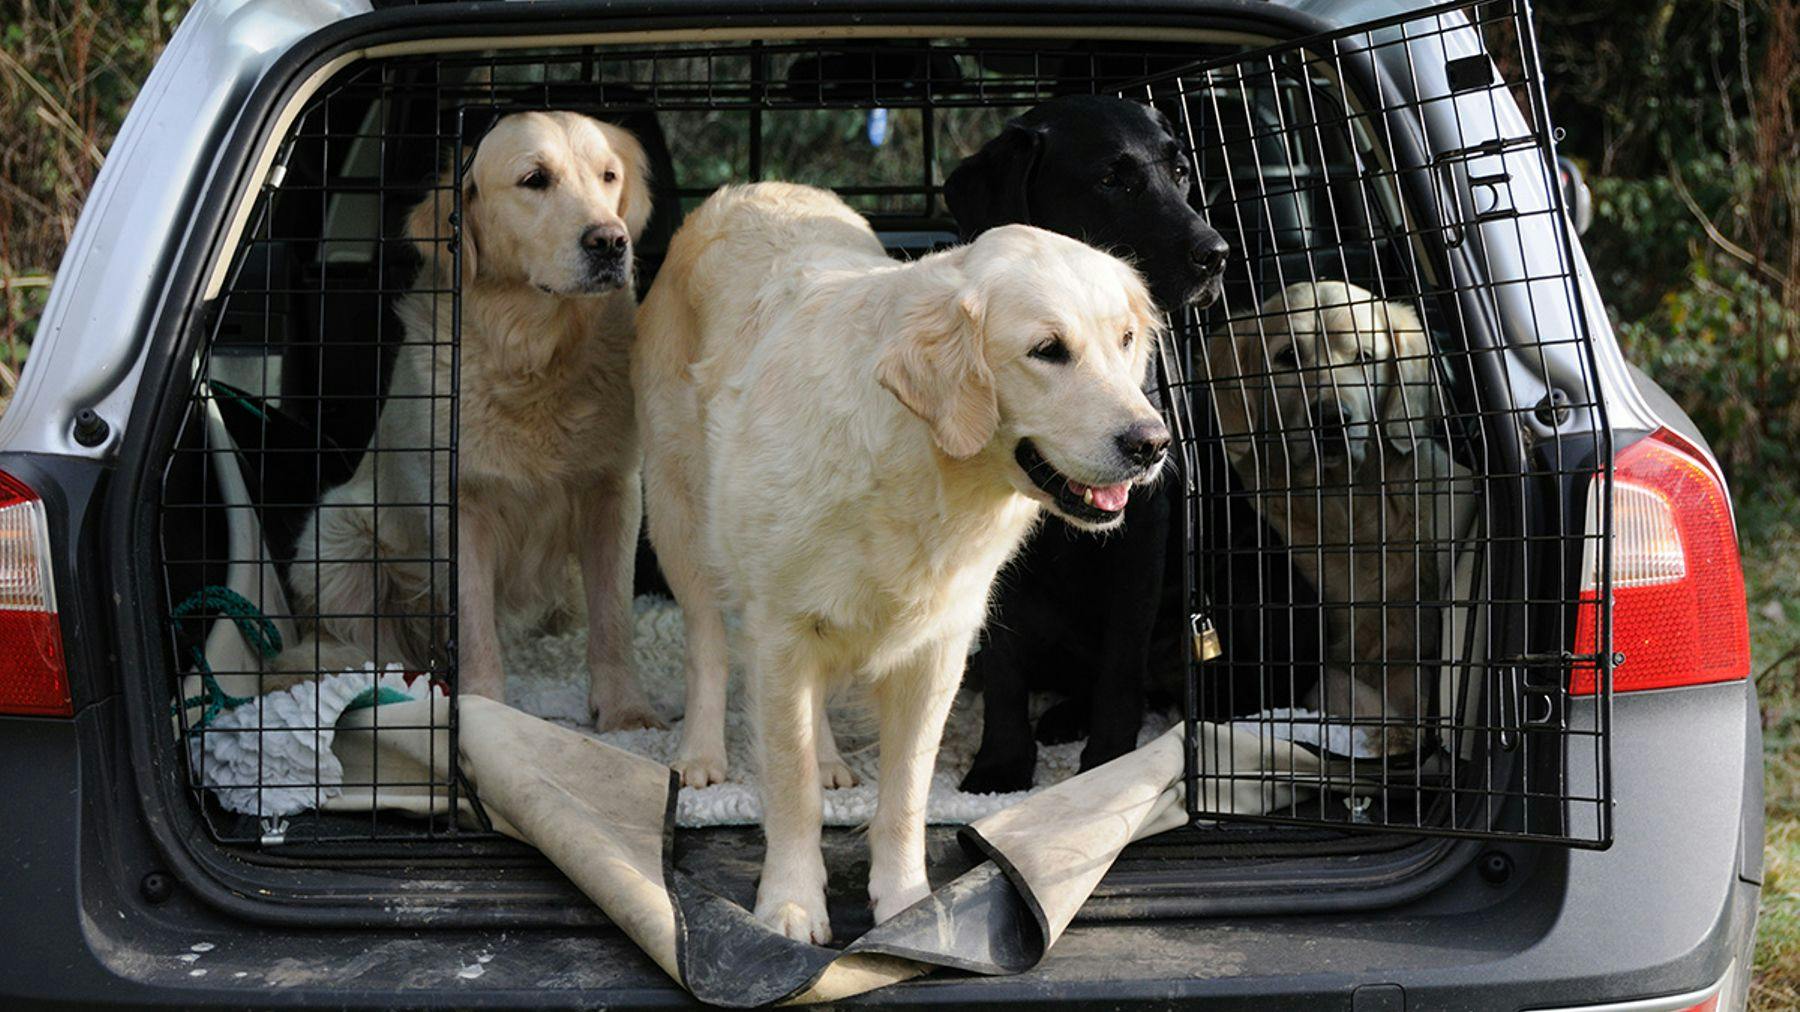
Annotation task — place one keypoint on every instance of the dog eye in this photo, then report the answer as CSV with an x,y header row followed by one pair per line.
x,y
1286,356
1111,180
1051,349
536,179
609,176
1179,170
1130,335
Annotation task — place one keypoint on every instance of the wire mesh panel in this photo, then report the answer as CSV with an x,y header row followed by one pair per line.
x,y
1392,426
304,362
280,441
1387,423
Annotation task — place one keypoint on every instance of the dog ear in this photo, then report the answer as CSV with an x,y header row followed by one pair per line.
x,y
428,226
990,187
1147,321
937,368
635,202
1408,401
1237,359
1228,360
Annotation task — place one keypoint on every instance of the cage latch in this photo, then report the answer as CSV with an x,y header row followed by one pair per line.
x,y
274,831
1206,638
1468,73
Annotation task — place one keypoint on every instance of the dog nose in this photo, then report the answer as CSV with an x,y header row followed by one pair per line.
x,y
1209,255
1145,443
1330,424
605,240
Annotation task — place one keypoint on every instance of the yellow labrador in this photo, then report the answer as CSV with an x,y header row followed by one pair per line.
x,y
847,448
547,450
1327,405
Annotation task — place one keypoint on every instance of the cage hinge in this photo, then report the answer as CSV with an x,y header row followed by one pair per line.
x,y
1206,638
278,171
274,831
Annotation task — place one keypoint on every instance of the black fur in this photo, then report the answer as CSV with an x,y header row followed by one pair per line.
x,y
1102,170
1087,615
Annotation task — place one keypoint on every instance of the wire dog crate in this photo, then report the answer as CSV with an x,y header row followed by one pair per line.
x,y
1386,521
1311,164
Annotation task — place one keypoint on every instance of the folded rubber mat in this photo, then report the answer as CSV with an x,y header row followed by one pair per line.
x,y
605,817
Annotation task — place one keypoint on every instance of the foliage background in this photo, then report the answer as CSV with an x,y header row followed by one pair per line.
x,y
68,72
1681,112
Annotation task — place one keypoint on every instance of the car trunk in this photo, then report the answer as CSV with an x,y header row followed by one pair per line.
x,y
1315,159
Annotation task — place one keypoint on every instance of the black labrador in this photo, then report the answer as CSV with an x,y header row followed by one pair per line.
x,y
1080,613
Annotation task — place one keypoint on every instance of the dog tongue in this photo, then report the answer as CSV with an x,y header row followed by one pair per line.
x,y
1110,498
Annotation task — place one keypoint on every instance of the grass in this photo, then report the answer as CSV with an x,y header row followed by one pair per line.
x,y
1777,981
1772,582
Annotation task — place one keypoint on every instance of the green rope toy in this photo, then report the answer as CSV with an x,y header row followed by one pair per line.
x,y
262,635
251,624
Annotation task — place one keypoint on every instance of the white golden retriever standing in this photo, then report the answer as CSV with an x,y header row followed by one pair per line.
x,y
1329,409
546,446
848,448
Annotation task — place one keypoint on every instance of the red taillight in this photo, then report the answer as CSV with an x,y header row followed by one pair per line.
x,y
32,677
1678,613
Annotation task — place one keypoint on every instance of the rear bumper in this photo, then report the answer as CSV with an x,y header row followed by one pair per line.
x,y
1711,998
1664,912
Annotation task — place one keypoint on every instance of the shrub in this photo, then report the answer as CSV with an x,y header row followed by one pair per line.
x,y
68,71
1682,113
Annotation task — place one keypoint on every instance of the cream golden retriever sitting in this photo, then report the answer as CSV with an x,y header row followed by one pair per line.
x,y
547,459
847,448
1329,410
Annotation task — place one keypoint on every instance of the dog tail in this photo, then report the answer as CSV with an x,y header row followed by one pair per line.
x,y
361,576
670,421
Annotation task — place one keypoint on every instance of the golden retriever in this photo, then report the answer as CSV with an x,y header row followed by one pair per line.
x,y
547,459
1328,407
847,448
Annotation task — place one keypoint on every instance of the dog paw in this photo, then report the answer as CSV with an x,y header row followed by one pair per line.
x,y
1395,741
627,718
836,773
1062,723
1002,777
800,921
700,770
888,900
1099,752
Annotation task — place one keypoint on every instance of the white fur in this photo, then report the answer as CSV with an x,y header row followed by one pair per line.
x,y
829,448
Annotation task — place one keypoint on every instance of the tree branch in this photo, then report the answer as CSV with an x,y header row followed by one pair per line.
x,y
1719,238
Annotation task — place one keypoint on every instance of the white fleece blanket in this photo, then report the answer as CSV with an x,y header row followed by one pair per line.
x,y
547,678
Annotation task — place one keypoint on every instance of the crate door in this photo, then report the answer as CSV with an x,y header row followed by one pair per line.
x,y
1390,430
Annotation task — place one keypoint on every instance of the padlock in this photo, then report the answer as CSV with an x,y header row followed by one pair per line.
x,y
1206,639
